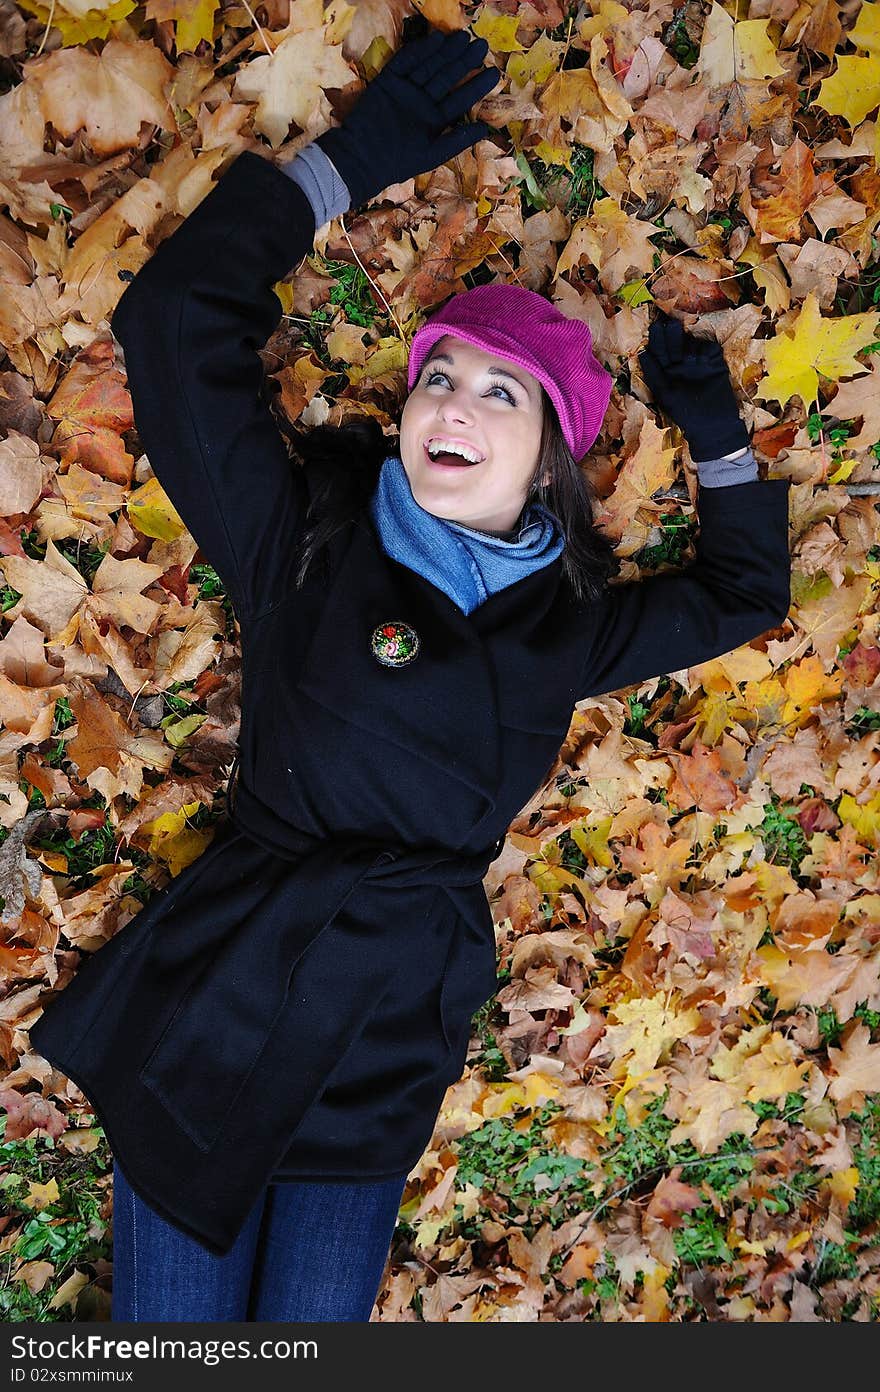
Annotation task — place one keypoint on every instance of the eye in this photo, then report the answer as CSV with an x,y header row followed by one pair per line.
x,y
510,397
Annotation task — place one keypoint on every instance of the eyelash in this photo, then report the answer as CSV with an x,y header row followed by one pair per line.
x,y
511,398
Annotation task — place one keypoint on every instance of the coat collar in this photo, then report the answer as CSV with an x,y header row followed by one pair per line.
x,y
513,662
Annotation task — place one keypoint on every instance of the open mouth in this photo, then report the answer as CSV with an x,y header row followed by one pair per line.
x,y
446,460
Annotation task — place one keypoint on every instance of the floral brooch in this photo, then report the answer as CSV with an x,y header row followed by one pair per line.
x,y
394,643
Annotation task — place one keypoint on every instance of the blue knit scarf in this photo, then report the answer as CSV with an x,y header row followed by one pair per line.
x,y
467,564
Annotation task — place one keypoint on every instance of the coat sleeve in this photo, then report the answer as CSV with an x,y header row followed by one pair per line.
x,y
737,588
190,324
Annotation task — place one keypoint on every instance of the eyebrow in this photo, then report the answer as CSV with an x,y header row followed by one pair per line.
x,y
493,370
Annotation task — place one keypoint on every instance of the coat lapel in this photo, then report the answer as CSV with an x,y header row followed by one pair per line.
x,y
533,633
441,705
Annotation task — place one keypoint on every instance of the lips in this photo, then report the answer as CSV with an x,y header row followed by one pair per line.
x,y
444,461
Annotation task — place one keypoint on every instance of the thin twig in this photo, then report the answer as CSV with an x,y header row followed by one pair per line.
x,y
266,43
646,1174
46,30
372,282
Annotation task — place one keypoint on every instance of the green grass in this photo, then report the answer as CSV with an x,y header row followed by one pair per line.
x,y
782,835
678,531
539,1183
69,1233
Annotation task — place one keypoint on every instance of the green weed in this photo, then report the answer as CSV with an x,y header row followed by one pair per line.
x,y
69,1232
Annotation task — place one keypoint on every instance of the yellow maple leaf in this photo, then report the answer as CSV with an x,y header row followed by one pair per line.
x,y
806,685
727,1063
716,713
842,1186
540,1088
735,52
174,841
853,89
532,65
41,1195
865,33
80,28
774,882
498,30
151,511
607,18
592,840
815,347
774,1071
427,1230
648,1027
195,21
503,1099
179,731
655,1297
863,817
710,1112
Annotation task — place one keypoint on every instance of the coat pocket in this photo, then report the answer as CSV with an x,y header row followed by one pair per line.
x,y
227,1014
192,1070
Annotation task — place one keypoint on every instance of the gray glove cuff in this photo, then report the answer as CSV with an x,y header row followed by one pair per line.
x,y
320,181
719,473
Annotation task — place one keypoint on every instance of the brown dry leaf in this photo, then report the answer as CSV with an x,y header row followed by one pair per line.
x,y
21,474
825,621
617,245
51,590
105,743
630,510
672,1199
696,879
106,95
859,400
700,780
708,1114
290,83
777,216
856,1070
23,656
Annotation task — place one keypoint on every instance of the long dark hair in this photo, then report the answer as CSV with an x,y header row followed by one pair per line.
x,y
351,456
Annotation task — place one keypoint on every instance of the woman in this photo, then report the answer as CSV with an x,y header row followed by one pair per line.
x,y
267,1043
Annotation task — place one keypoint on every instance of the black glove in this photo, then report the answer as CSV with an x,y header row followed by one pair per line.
x,y
395,129
690,383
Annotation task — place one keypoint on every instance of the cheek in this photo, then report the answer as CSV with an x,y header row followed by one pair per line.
x,y
412,419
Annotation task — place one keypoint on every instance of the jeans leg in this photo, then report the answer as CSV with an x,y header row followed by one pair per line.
x,y
323,1249
161,1274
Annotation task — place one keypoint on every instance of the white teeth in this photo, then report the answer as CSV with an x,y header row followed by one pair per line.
x,y
440,446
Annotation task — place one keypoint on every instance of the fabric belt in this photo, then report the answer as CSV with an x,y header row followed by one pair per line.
x,y
254,819
235,975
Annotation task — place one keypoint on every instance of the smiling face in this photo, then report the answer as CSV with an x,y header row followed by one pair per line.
x,y
492,406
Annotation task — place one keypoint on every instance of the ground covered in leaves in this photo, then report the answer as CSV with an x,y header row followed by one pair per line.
x,y
671,1109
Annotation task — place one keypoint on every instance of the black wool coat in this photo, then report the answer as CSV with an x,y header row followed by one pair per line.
x,y
297,1001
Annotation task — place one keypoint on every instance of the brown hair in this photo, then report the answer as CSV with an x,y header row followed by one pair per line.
x,y
352,454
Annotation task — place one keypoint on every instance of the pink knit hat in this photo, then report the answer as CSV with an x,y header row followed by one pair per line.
x,y
524,327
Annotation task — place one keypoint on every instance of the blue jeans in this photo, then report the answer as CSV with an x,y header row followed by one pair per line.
x,y
308,1251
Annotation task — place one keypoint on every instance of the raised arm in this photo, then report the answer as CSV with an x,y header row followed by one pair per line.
x,y
195,315
738,587
190,324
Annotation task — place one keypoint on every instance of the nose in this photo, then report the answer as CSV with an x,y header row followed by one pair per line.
x,y
456,409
